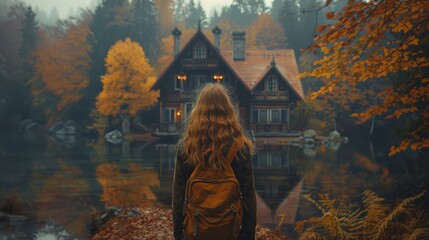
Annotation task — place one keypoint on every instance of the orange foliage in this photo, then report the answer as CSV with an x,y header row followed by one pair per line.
x,y
379,41
265,33
128,79
127,189
60,198
62,63
165,16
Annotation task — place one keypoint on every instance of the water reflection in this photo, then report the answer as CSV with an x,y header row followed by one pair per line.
x,y
127,185
65,182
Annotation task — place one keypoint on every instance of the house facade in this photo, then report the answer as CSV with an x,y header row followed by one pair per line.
x,y
264,83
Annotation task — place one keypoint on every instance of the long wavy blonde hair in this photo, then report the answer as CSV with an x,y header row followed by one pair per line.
x,y
212,125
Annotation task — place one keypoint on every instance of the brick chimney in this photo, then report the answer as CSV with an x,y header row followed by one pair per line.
x,y
238,46
216,32
176,33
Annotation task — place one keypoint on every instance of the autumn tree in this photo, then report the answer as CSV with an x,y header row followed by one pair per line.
x,y
380,42
127,82
111,22
62,64
265,33
165,16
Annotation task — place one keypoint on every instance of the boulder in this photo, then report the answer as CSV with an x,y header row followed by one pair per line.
x,y
27,125
114,137
310,133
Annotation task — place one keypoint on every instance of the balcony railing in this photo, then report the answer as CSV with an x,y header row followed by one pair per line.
x,y
272,96
269,127
189,93
199,63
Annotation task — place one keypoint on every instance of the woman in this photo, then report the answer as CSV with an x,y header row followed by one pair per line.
x,y
212,128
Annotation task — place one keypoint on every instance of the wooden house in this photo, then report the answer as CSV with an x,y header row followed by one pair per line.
x,y
264,83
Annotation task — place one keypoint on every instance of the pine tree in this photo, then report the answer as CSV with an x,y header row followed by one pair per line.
x,y
145,28
193,15
29,34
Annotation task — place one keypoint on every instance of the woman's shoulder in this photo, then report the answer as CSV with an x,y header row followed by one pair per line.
x,y
243,153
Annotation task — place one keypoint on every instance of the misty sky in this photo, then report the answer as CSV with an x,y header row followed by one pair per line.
x,y
64,6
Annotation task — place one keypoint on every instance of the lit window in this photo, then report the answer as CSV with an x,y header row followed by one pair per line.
x,y
271,84
200,51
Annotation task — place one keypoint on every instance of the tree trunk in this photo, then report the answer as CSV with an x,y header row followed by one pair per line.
x,y
371,129
125,124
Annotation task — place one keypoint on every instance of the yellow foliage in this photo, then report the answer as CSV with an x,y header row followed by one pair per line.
x,y
130,189
127,82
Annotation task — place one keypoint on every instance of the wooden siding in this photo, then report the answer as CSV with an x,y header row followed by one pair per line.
x,y
271,96
199,64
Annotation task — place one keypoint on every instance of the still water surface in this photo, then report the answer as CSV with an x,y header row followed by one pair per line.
x,y
60,183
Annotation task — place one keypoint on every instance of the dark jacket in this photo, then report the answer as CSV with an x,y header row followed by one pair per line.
x,y
242,166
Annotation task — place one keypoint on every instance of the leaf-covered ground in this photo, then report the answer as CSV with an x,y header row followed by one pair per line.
x,y
154,223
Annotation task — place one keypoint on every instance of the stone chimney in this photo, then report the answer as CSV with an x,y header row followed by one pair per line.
x,y
238,46
216,32
176,33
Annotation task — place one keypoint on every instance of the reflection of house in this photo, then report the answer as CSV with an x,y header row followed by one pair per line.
x,y
278,185
276,182
285,213
264,82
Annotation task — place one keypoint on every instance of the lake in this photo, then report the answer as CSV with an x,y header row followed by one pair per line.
x,y
60,183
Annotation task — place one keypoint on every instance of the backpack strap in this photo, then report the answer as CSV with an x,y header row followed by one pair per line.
x,y
236,145
233,151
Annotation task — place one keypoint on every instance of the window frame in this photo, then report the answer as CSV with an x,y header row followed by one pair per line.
x,y
269,115
272,84
197,81
200,51
177,82
170,110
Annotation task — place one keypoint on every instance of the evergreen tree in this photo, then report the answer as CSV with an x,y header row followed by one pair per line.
x,y
202,16
54,16
145,28
29,34
289,17
193,15
214,19
276,7
111,22
180,13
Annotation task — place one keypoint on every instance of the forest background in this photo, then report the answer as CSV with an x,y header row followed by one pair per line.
x,y
363,63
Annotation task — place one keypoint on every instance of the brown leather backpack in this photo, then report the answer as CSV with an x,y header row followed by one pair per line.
x,y
212,204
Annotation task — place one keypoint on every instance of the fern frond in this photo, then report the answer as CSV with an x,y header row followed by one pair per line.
x,y
313,222
311,234
401,208
309,199
375,212
325,201
419,233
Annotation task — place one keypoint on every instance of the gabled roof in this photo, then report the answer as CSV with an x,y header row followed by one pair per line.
x,y
254,68
258,63
200,34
